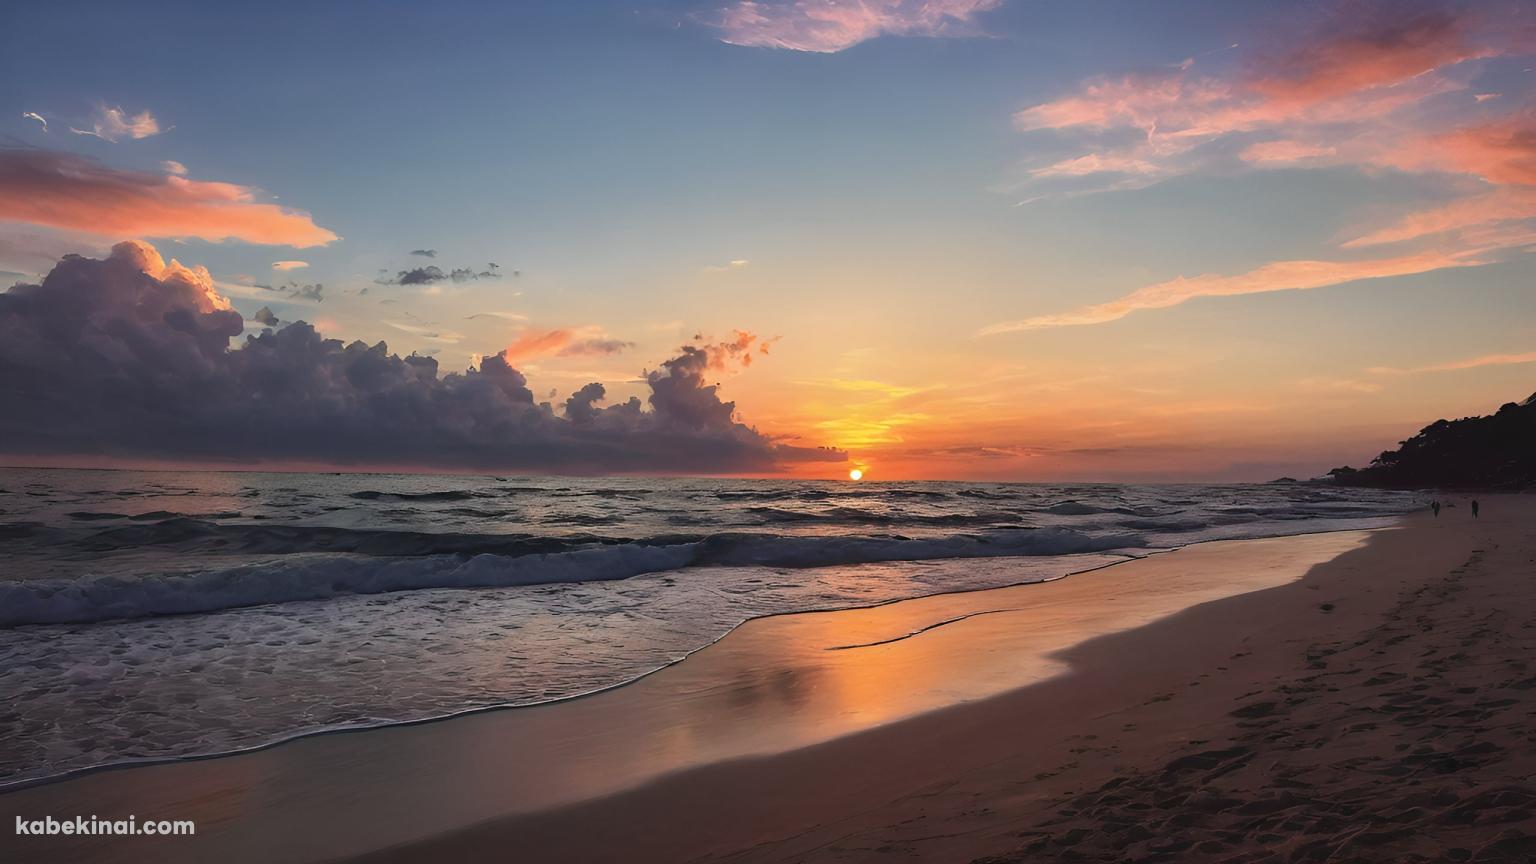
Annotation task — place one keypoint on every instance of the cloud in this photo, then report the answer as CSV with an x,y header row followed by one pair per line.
x,y
265,317
431,333
289,265
425,253
1459,365
70,192
735,264
130,357
833,25
1364,94
505,316
1288,152
1275,276
1329,97
1486,208
577,342
1501,152
432,274
111,123
171,166
314,292
33,115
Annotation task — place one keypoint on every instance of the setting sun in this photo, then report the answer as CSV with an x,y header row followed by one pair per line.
x,y
856,474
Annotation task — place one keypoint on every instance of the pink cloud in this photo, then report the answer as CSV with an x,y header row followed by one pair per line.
x,y
573,342
69,192
1379,54
1488,208
827,26
1459,365
1304,104
1275,276
1363,96
1286,152
111,123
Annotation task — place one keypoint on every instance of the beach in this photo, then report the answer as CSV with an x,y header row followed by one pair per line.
x,y
1358,695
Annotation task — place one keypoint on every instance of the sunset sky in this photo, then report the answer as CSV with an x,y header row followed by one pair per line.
x,y
966,239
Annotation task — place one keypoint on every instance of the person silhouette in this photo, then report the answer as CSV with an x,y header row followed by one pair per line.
x,y
1474,508
1435,506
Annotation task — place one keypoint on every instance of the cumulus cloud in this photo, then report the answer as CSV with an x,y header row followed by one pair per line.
x,y
833,25
73,193
111,123
171,166
130,357
265,317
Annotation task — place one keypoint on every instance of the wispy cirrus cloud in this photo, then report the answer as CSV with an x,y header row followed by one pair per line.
x,y
1275,276
69,192
1295,105
1459,365
1372,95
827,26
33,115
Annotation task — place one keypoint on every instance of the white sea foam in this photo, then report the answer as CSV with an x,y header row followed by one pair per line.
x,y
317,577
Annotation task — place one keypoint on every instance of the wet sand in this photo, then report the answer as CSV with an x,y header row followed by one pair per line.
x,y
947,728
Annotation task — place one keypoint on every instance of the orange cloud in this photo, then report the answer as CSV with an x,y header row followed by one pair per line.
x,y
64,191
832,25
1503,152
1344,99
1307,102
1458,365
577,342
1374,56
1498,205
1276,276
111,123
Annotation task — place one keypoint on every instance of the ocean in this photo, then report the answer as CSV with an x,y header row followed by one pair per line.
x,y
149,615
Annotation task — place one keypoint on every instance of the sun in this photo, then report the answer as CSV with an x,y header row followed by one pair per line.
x,y
856,474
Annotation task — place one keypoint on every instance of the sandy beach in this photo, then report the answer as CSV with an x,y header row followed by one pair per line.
x,y
1344,696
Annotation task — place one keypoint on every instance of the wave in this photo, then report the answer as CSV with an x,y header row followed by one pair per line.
x,y
857,516
1078,508
318,577
451,495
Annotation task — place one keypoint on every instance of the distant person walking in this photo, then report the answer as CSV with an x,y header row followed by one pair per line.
x,y
1435,506
1474,508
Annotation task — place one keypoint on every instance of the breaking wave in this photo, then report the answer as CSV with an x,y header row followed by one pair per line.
x,y
316,576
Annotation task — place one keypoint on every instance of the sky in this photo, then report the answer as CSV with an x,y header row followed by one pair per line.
x,y
944,239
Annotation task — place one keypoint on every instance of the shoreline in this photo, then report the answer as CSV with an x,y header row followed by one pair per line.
x,y
1379,709
371,756
8,786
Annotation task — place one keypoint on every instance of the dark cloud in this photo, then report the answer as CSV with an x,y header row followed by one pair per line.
x,y
265,317
129,357
425,253
315,292
432,274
